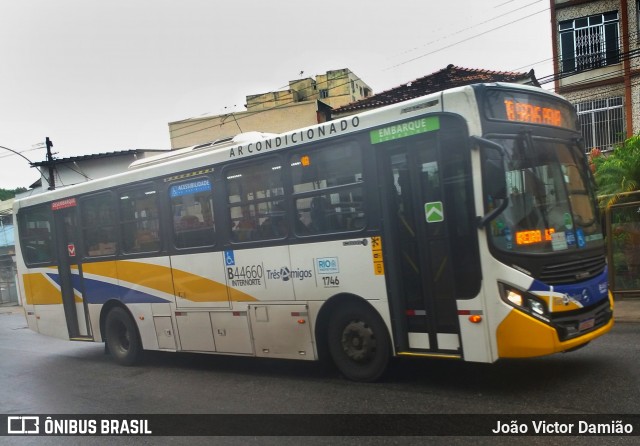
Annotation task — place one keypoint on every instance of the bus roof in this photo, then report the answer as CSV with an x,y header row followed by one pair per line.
x,y
251,144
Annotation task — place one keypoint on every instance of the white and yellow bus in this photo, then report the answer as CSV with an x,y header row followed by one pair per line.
x,y
459,225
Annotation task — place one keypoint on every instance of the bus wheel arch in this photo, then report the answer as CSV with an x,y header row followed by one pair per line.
x,y
352,334
120,333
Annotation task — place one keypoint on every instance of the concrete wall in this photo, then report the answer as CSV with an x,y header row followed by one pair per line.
x,y
604,88
271,120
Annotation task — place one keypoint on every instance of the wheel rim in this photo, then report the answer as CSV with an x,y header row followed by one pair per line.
x,y
122,336
359,342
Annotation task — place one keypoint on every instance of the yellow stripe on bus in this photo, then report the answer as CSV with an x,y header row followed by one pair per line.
x,y
188,286
40,291
198,289
157,277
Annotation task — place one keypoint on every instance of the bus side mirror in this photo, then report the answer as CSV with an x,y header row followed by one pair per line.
x,y
495,183
494,178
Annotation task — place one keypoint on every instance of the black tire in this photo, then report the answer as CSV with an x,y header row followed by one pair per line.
x,y
359,342
122,337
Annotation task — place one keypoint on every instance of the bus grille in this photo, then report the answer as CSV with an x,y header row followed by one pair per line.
x,y
569,272
570,326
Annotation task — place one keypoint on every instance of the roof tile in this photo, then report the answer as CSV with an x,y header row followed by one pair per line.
x,y
449,77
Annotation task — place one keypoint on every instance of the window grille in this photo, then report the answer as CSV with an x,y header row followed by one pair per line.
x,y
602,122
589,42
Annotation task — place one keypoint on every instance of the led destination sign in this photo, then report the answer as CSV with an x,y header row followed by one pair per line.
x,y
533,236
533,114
529,109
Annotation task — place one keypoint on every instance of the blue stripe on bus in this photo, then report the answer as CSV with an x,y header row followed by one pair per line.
x,y
99,292
587,293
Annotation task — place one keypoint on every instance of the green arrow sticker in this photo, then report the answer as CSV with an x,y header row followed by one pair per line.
x,y
434,212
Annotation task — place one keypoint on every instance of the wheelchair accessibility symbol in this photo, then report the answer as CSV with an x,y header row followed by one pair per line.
x,y
229,259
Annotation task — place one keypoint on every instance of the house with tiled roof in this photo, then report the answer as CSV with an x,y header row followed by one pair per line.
x,y
449,77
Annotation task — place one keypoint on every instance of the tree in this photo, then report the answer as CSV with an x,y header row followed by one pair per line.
x,y
619,172
6,194
617,175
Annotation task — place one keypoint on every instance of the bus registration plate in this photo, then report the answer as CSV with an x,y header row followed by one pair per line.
x,y
586,324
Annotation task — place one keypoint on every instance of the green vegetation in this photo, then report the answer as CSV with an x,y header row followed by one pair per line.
x,y
619,172
6,194
618,179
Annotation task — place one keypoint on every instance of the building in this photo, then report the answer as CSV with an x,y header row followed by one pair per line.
x,y
595,49
8,290
305,102
334,88
78,169
449,77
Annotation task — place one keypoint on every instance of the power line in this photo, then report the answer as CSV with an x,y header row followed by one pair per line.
x,y
189,123
6,155
633,54
466,39
472,26
23,157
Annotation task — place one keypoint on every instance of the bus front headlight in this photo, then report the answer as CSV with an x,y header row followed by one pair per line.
x,y
536,306
523,300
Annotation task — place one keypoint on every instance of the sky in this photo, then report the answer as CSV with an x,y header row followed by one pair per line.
x,y
101,76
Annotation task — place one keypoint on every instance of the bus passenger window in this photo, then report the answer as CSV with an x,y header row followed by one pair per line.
x,y
328,190
323,219
98,221
275,224
192,211
35,235
140,223
256,207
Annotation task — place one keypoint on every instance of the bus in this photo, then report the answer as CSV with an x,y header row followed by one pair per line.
x,y
462,224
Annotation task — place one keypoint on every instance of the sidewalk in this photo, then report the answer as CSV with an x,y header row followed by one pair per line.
x,y
627,310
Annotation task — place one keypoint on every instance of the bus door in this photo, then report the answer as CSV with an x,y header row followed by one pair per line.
x,y
429,238
70,270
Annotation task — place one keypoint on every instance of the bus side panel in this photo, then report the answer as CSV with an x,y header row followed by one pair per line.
x,y
496,310
146,280
141,284
474,337
43,303
143,317
322,270
40,288
261,274
51,321
199,281
100,283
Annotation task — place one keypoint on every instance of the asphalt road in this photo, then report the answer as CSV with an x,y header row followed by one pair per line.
x,y
41,375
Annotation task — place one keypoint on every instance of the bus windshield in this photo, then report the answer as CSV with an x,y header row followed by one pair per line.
x,y
550,206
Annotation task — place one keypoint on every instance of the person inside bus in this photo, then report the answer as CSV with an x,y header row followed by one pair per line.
x,y
321,219
275,224
245,227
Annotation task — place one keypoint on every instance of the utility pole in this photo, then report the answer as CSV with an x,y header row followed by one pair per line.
x,y
52,180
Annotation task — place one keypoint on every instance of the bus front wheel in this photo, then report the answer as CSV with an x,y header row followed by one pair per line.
x,y
122,337
359,342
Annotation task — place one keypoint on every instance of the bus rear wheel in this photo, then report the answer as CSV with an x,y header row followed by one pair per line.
x,y
122,337
359,343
